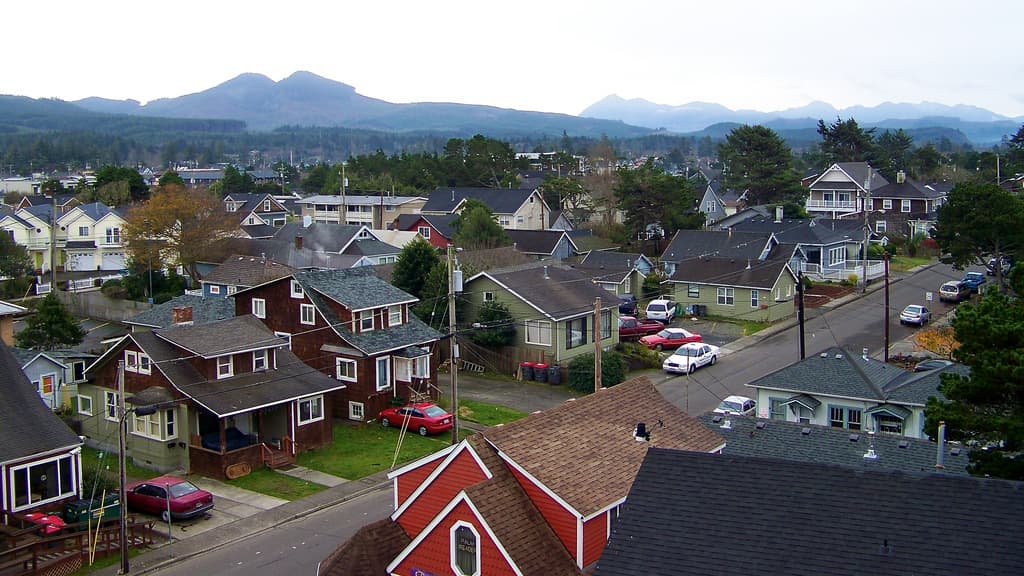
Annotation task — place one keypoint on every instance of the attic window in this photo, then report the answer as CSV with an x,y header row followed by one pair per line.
x,y
296,290
465,550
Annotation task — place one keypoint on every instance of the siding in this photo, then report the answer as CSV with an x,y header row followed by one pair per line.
x,y
595,536
459,474
562,521
408,482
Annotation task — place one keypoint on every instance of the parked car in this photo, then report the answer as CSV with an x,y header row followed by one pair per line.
x,y
662,310
1005,264
974,280
424,417
915,314
670,338
736,405
954,291
691,356
631,328
627,305
186,499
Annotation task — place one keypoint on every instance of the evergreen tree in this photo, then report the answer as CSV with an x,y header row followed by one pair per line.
x,y
414,263
476,229
497,327
758,162
50,327
845,141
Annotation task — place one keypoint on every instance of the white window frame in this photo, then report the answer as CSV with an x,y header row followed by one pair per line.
x,y
423,231
113,235
214,289
316,410
356,411
232,290
755,298
504,221
543,332
726,296
836,255
260,356
63,492
887,204
627,284
145,364
378,362
880,226
131,361
454,546
74,370
488,296
905,205
83,231
161,425
606,324
421,367
339,362
692,290
110,405
520,220
395,315
287,336
364,316
266,205
296,290
303,308
84,404
225,362
259,307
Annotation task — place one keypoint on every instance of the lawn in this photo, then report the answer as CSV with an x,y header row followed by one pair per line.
x,y
266,481
487,414
904,263
359,450
750,327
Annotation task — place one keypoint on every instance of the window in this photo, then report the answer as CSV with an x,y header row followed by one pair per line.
x,y
356,411
232,290
84,405
843,417
259,307
726,296
777,408
77,371
214,289
887,204
311,410
575,332
627,285
693,290
905,206
44,481
110,405
836,255
880,226
266,205
113,236
231,206
519,220
345,369
488,296
504,221
145,367
259,360
421,367
804,414
251,221
395,315
424,231
755,298
366,321
157,426
888,424
710,206
306,314
383,373
287,337
225,367
465,551
538,332
131,361
389,208
297,290
606,324
83,230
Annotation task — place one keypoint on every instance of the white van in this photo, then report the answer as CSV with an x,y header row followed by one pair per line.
x,y
661,310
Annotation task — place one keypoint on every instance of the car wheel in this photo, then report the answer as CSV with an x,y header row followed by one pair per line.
x,y
713,360
658,347
423,430
165,516
691,368
385,422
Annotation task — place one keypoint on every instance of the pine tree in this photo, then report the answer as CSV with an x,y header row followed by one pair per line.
x,y
50,327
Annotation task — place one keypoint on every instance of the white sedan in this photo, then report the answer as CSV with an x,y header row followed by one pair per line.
x,y
691,356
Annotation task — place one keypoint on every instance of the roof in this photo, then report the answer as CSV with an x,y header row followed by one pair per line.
x,y
584,450
353,288
259,230
96,210
220,338
239,270
368,552
8,309
204,311
446,200
358,200
371,248
440,222
748,436
785,515
320,237
537,241
688,244
906,189
27,426
555,291
285,252
857,172
25,356
749,273
610,260
819,231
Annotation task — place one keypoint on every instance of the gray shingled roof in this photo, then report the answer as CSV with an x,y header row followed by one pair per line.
x,y
907,189
499,200
609,260
224,337
747,436
563,293
819,231
440,222
319,237
353,288
371,248
536,241
204,311
413,333
284,252
27,426
239,270
753,273
693,513
688,244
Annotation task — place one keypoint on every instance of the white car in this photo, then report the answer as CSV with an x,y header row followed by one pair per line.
x,y
691,356
662,310
736,405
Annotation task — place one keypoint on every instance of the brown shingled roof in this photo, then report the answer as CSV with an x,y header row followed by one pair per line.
x,y
368,552
584,450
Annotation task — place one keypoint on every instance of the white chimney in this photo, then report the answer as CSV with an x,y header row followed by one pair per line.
x,y
901,177
941,449
546,277
871,454
727,424
778,214
306,221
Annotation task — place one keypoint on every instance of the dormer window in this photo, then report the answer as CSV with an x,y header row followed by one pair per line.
x,y
366,321
395,315
259,360
297,290
225,367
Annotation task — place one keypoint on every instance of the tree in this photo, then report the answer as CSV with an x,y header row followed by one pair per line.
x,y
650,197
986,407
568,194
893,153
939,340
925,162
414,263
758,161
476,229
581,371
845,141
601,178
496,326
50,327
137,188
978,222
170,177
236,182
178,226
14,259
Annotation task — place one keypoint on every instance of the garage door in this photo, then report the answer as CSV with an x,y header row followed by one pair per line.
x,y
113,261
78,261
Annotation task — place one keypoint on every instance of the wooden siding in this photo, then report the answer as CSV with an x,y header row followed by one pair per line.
x,y
433,554
315,434
595,536
561,520
408,482
460,473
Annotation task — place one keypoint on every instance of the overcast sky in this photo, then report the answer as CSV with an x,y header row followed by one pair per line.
x,y
552,55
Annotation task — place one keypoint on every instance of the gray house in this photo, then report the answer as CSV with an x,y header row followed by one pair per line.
x,y
543,244
55,374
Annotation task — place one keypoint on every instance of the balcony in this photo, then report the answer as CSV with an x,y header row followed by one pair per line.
x,y
831,205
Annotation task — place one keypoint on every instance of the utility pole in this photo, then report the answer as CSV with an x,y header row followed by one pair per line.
x,y
123,496
343,214
53,244
597,344
454,346
867,228
800,309
886,354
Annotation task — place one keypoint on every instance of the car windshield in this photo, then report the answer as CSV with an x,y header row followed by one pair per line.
x,y
731,406
435,411
913,310
182,489
687,352
656,307
665,334
949,287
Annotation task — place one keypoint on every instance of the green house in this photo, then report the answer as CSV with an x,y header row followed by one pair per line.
x,y
744,289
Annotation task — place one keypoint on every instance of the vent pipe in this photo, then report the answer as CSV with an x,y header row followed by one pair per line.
x,y
941,448
546,277
871,454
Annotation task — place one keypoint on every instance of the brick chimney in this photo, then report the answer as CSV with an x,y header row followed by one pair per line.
x,y
298,242
181,315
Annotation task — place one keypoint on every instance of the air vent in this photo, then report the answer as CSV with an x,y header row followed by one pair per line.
x,y
954,452
716,419
904,444
805,431
761,425
854,437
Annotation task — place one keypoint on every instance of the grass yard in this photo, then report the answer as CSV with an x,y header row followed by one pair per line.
x,y
751,327
487,414
905,263
359,450
266,481
91,461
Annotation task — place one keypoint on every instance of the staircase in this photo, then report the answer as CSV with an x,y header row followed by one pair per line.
x,y
278,456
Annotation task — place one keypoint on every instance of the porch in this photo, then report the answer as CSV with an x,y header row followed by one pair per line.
x,y
228,447
843,270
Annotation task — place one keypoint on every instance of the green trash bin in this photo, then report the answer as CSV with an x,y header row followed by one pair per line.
x,y
81,510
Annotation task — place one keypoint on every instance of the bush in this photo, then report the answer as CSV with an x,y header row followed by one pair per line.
x,y
637,355
808,284
581,371
851,280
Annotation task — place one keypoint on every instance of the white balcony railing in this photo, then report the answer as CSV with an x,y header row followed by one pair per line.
x,y
876,269
847,205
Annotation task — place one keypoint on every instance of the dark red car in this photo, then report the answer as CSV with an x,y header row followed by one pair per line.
x,y
186,499
669,338
425,418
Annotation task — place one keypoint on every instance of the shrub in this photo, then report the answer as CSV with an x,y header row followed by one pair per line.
x,y
638,355
851,280
808,283
581,371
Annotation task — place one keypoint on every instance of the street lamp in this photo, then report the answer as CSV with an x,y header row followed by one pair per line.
x,y
122,431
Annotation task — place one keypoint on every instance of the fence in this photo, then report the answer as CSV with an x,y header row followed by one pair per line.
x,y
876,269
88,283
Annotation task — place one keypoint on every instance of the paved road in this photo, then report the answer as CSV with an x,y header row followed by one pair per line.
x,y
856,325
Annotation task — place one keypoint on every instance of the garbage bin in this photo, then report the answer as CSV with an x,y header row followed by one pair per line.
x,y
80,510
526,368
540,372
680,308
700,310
555,374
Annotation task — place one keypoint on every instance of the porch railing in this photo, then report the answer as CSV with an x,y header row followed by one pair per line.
x,y
875,269
831,204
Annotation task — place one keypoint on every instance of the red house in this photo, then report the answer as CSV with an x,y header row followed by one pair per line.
x,y
434,228
354,327
535,497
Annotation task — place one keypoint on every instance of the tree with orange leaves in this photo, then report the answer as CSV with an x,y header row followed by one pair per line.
x,y
939,340
177,226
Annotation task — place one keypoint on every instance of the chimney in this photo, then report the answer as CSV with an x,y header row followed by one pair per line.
x,y
941,449
640,433
181,315
453,195
901,177
546,277
298,242
871,454
778,214
864,353
748,263
727,424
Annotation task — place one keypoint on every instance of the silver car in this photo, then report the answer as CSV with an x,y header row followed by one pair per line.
x,y
915,314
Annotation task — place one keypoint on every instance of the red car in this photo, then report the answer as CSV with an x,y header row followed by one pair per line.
x,y
425,418
669,338
187,500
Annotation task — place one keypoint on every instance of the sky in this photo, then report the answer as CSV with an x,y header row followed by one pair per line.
x,y
551,56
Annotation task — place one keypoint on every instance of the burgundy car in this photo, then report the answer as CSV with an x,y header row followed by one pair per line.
x,y
669,338
187,500
425,418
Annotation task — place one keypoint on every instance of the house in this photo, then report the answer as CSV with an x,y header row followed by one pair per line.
x,y
343,239
849,391
553,307
375,212
93,238
184,309
771,516
239,272
397,238
434,228
905,207
200,177
291,252
617,272
356,328
256,209
842,189
716,203
535,497
226,393
30,227
8,312
55,374
513,208
727,222
687,245
780,439
559,220
543,244
40,457
64,202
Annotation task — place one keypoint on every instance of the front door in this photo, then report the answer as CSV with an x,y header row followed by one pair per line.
x,y
47,388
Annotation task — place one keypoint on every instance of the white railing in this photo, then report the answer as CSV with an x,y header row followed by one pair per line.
x,y
876,269
76,285
832,204
43,288
198,292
